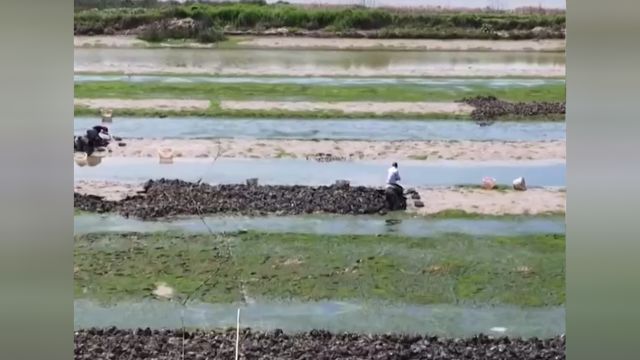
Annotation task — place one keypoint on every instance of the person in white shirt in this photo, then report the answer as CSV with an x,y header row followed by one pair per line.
x,y
395,192
393,176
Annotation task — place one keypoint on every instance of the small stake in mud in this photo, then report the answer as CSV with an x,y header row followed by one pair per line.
x,y
238,335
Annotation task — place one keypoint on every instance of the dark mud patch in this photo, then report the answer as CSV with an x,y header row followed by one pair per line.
x,y
167,198
113,343
489,108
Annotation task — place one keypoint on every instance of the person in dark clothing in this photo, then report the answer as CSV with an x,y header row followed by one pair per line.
x,y
96,137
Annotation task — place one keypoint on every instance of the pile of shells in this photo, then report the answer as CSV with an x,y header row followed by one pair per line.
x,y
325,157
489,108
112,343
166,198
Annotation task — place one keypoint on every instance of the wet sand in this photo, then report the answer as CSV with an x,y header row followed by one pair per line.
x,y
159,104
494,202
110,190
490,202
440,71
348,107
352,106
346,149
281,42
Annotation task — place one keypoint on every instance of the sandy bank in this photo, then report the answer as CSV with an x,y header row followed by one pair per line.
x,y
347,107
281,42
347,150
436,71
352,106
159,104
110,190
530,202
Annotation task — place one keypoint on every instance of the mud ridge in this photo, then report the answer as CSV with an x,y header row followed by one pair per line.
x,y
113,343
491,108
166,198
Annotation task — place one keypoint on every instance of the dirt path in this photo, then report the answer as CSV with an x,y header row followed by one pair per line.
x,y
296,106
281,42
352,106
346,149
159,104
530,202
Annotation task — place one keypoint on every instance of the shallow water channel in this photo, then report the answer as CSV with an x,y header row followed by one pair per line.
x,y
311,63
325,224
442,320
335,129
434,84
303,172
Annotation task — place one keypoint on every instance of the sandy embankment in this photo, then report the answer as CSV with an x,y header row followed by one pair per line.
x,y
530,202
491,202
346,149
435,71
296,106
352,106
158,104
281,42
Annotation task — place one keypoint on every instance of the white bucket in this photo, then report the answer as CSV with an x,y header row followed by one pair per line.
x,y
80,158
488,183
165,156
519,184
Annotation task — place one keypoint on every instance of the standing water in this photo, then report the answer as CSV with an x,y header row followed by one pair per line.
x,y
332,129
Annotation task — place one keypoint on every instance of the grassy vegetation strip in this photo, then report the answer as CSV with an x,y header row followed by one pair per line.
x,y
524,270
338,21
294,92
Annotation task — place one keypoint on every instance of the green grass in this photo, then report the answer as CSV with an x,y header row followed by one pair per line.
x,y
341,21
295,92
449,269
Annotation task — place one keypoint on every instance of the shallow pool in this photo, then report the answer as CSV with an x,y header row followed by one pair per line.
x,y
441,320
303,172
435,84
267,62
324,224
335,129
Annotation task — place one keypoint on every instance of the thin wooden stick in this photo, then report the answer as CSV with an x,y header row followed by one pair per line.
x,y
238,335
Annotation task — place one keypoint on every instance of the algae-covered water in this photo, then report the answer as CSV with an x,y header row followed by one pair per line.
x,y
331,225
442,320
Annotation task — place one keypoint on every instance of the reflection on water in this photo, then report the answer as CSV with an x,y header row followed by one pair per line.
x,y
324,224
440,320
337,129
298,62
302,172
